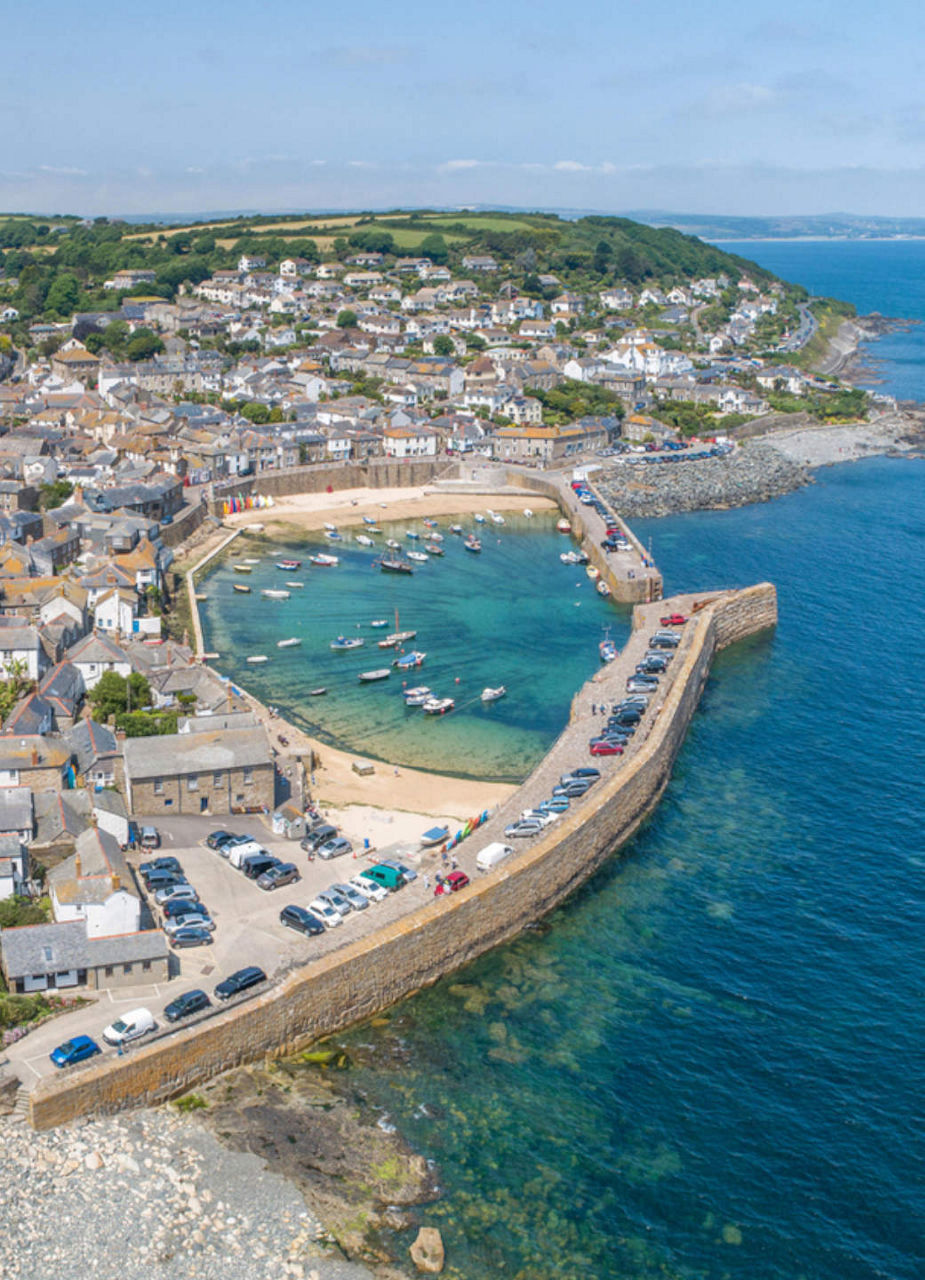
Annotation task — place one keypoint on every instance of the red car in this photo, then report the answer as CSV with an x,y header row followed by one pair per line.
x,y
450,883
673,620
606,749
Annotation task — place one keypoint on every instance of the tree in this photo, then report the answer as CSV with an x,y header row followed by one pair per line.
x,y
15,686
434,247
113,695
346,319
63,295
143,345
443,345
256,412
54,495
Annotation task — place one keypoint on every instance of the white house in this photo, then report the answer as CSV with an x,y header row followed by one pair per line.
x,y
14,866
115,612
96,886
97,654
409,442
21,649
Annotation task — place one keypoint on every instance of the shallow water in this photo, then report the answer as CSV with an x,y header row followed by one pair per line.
x,y
513,615
710,1063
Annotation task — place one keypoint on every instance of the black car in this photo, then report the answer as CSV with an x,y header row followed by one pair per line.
x,y
170,865
626,715
318,836
651,666
239,981
301,920
216,839
666,641
190,936
255,864
163,880
184,1006
182,907
584,771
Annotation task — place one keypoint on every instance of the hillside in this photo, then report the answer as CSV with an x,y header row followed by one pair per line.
x,y
54,266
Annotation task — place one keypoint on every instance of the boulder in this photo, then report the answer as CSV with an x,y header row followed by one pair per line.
x,y
427,1252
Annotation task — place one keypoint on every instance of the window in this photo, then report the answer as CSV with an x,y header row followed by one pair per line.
x,y
248,777
216,779
126,968
158,786
192,783
109,971
146,966
47,953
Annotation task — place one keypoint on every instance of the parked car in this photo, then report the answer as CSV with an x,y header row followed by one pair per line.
x,y
218,839
188,920
185,1005
76,1050
276,877
555,804
369,889
131,1026
651,666
317,836
257,864
605,747
523,829
542,816
336,900
572,789
406,873
239,981
450,883
329,916
385,876
301,920
335,848
641,683
178,907
583,771
673,620
163,880
167,864
354,896
181,890
150,839
190,936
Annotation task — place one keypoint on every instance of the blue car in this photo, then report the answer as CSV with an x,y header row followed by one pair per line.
x,y
76,1050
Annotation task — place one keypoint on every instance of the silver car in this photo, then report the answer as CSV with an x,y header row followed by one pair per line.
x,y
337,900
175,891
356,899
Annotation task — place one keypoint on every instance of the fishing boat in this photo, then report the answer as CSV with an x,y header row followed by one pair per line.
x,y
420,557
472,543
394,564
608,650
568,557
430,524
479,518
563,526
363,540
333,535
408,661
413,534
457,529
298,585
272,594
347,642
369,519
240,587
323,560
417,696
379,622
242,568
492,695
435,536
603,589
373,528
290,643
381,673
436,835
316,693
397,637
289,564
593,572
256,659
438,706
392,544
433,549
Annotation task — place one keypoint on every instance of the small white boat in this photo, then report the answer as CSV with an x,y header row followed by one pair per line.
x,y
593,572
379,622
438,706
479,518
436,835
363,540
528,513
331,528
381,673
435,536
417,696
251,560
563,526
408,661
420,556
397,637
323,560
433,549
457,529
603,589
256,659
390,542
272,594
492,695
369,519
242,568
288,644
568,557
496,518
373,528
239,586
347,642
295,584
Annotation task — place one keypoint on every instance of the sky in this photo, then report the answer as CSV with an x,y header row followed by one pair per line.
x,y
735,106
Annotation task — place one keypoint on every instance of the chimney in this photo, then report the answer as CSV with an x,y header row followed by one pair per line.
x,y
116,883
35,756
77,867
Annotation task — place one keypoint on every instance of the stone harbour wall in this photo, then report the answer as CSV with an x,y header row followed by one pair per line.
x,y
358,980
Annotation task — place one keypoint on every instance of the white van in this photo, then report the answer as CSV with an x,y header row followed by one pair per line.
x,y
129,1027
491,855
239,852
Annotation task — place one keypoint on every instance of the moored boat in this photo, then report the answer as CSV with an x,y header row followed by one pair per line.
x,y
392,544
272,594
472,543
438,706
295,584
242,568
492,695
239,586
593,572
397,637
379,622
369,519
496,518
568,557
563,526
380,673
394,564
324,560
256,658
347,642
408,661
457,529
290,643
417,696
333,535
433,549
289,564
603,589
608,650
363,540
316,693
330,528
528,513
373,528
435,536
413,534
420,557
479,518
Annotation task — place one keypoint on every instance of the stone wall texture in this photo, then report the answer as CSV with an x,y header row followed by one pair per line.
x,y
378,474
353,983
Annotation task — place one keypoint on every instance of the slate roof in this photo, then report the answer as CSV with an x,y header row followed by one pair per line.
x,y
54,948
185,753
88,741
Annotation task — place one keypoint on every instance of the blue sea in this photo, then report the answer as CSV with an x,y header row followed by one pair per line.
x,y
709,1062
876,275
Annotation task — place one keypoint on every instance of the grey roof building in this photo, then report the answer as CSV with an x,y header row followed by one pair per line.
x,y
40,957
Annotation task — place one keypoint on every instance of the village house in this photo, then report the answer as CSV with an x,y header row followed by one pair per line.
x,y
215,772
409,442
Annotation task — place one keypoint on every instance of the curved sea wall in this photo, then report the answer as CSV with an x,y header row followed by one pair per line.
x,y
358,980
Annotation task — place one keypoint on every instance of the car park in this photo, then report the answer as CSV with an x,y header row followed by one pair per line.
x,y
78,1049
185,1005
335,848
336,900
369,889
329,916
406,872
301,919
318,835
219,840
182,890
188,920
168,866
190,936
131,1026
357,899
239,981
178,907
256,864
274,878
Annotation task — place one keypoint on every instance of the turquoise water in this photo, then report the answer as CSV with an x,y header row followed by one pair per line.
x,y
709,1064
513,615
876,275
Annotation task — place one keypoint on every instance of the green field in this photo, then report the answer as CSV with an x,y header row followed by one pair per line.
x,y
481,222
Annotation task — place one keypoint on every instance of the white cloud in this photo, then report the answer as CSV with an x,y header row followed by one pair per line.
x,y
571,166
734,99
452,166
67,171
